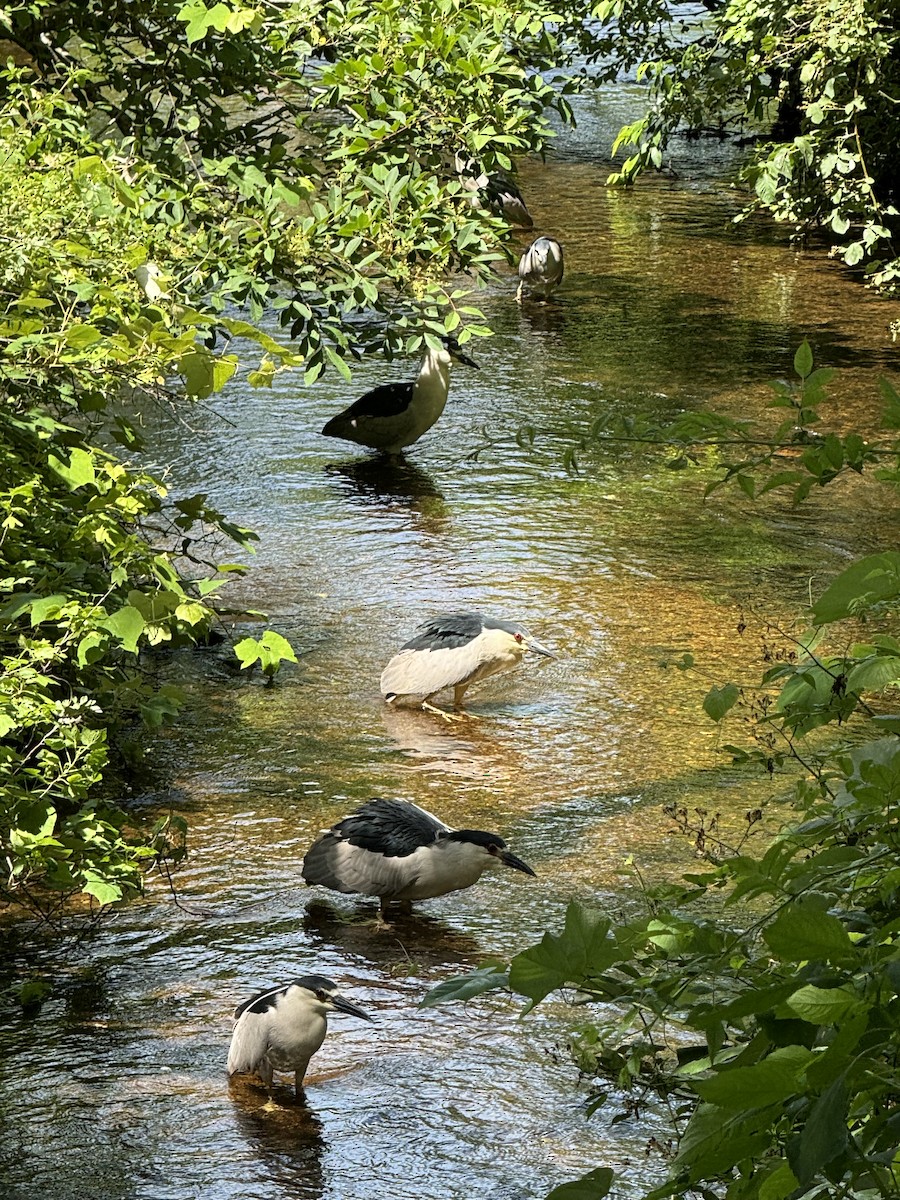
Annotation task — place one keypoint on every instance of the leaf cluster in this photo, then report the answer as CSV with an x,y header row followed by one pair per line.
x,y
810,87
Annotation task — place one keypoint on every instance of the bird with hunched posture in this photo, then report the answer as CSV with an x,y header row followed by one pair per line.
x,y
495,192
397,851
281,1028
454,652
540,268
394,415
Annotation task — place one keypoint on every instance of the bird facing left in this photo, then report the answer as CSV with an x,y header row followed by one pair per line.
x,y
281,1028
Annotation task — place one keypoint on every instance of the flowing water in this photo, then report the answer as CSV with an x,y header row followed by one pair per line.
x,y
116,1087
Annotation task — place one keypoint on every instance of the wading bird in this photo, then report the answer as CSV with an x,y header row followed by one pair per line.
x,y
454,652
540,268
394,415
397,851
495,192
282,1028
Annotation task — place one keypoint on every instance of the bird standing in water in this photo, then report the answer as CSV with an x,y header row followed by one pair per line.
x,y
281,1028
540,268
390,417
399,852
454,651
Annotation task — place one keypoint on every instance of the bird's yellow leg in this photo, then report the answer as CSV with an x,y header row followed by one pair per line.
x,y
442,712
382,924
519,292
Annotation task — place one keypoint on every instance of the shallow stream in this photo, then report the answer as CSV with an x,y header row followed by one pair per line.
x,y
116,1088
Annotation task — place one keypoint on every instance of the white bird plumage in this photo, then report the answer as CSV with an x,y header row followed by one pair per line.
x,y
281,1028
399,852
390,417
454,651
540,268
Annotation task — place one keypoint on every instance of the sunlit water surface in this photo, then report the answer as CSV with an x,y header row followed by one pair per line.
x,y
116,1088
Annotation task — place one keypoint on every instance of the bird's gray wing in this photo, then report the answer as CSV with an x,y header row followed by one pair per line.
x,y
388,400
364,852
447,633
415,673
250,1038
343,867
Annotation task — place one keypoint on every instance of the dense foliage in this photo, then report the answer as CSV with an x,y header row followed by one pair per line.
x,y
813,87
767,1024
165,169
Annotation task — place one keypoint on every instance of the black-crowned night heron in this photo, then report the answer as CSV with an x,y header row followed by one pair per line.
x,y
282,1028
454,652
495,192
540,268
397,851
395,415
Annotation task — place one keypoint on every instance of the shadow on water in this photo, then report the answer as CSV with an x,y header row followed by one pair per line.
x,y
393,485
286,1138
415,941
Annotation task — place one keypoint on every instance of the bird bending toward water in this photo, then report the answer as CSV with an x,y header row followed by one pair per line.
x,y
394,415
495,192
282,1028
454,652
540,268
397,851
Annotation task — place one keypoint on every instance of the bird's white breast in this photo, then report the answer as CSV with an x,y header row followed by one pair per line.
x,y
446,866
295,1031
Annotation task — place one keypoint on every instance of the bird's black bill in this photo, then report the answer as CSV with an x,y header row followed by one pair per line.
x,y
511,860
459,354
536,646
345,1006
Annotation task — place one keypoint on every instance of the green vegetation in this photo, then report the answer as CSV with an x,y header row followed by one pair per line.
x,y
812,85
757,1002
166,170
169,173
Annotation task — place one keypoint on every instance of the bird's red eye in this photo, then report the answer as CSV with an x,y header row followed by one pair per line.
x,y
518,637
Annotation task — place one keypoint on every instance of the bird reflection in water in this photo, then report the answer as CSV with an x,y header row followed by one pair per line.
x,y
435,746
393,485
420,939
287,1139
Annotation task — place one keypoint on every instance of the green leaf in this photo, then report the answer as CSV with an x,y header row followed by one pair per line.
x,y
773,1079
248,650
716,1140
101,889
804,932
593,1186
872,580
78,471
823,1137
824,1006
803,359
46,609
719,701
778,1184
873,674
82,336
464,987
127,625
582,949
279,647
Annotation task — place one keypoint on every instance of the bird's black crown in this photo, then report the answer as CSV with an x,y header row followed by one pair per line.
x,y
478,838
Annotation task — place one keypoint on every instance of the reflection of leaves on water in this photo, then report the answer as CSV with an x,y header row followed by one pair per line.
x,y
288,1137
